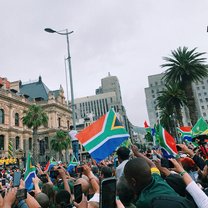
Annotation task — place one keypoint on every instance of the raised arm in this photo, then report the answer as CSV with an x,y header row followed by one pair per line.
x,y
136,152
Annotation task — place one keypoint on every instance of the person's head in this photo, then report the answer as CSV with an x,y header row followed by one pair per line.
x,y
48,190
43,200
123,153
71,127
106,172
138,174
125,193
63,198
84,183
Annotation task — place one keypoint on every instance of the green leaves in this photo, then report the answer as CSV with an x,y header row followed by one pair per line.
x,y
35,117
183,67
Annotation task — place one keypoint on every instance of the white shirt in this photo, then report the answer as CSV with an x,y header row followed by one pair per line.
x,y
72,134
120,169
198,195
95,198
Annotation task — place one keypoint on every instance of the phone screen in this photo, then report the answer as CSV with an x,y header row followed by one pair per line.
x,y
17,177
78,193
108,193
166,163
3,182
43,178
21,194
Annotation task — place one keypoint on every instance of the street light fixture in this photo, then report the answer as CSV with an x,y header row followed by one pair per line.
x,y
66,33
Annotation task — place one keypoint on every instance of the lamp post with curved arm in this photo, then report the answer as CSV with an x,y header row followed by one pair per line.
x,y
66,33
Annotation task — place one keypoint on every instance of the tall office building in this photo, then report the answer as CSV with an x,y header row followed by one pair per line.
x,y
108,95
156,84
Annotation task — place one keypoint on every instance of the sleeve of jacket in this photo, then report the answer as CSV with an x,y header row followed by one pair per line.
x,y
199,162
22,204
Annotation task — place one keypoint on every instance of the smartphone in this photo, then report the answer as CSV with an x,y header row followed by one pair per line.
x,y
166,163
16,180
108,193
43,178
3,181
78,193
79,169
178,148
21,194
154,157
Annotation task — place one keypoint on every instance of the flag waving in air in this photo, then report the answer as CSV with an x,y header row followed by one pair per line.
x,y
50,164
200,127
185,133
73,163
167,142
102,137
29,173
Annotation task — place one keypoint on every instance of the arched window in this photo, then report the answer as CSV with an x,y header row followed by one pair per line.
x,y
1,116
59,122
68,124
42,147
30,143
46,143
1,142
17,142
16,119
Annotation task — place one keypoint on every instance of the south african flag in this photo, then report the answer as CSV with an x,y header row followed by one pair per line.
x,y
103,136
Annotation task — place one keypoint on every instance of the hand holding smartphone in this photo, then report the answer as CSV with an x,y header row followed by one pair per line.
x,y
108,193
166,163
21,194
16,180
78,193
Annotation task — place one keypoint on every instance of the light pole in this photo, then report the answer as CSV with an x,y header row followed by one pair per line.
x,y
70,70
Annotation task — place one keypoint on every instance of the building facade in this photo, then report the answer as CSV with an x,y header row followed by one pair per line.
x,y
156,85
107,96
15,99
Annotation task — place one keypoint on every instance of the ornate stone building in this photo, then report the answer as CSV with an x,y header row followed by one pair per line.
x,y
15,98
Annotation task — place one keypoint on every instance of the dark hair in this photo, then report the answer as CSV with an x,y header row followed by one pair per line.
x,y
63,198
43,200
48,190
138,169
125,193
71,127
106,171
123,153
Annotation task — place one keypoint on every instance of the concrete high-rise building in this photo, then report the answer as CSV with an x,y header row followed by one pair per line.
x,y
156,84
108,95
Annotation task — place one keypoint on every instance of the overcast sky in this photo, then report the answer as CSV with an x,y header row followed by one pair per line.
x,y
127,38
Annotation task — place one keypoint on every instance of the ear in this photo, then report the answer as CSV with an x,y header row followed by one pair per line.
x,y
133,182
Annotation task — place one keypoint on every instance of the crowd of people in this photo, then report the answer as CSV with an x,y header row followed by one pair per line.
x,y
138,180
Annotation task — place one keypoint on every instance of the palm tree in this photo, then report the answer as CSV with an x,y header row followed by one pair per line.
x,y
60,142
34,118
171,100
184,67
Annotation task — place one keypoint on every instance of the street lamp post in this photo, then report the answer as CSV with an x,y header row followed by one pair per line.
x,y
70,70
